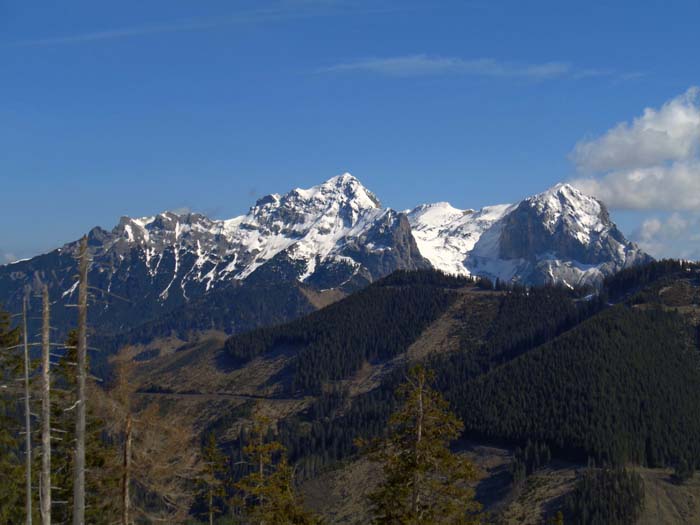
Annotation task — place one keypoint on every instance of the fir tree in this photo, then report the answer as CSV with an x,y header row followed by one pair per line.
x,y
424,482
267,494
213,482
11,468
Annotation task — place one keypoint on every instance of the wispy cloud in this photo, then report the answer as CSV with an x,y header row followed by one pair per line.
x,y
422,65
289,9
417,65
121,33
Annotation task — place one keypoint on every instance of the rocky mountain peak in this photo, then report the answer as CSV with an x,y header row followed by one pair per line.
x,y
564,206
561,235
345,189
165,229
351,187
340,196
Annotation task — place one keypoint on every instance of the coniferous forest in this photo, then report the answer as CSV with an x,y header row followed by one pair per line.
x,y
606,381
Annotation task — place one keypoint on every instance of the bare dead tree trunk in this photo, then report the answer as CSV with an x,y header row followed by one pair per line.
x,y
27,419
45,411
79,465
126,474
419,437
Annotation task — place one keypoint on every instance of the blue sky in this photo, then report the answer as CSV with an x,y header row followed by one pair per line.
x,y
131,108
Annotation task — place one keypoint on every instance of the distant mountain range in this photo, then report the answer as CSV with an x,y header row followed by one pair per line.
x,y
272,263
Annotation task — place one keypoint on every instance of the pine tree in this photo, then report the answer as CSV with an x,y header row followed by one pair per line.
x,y
212,483
267,493
11,469
424,482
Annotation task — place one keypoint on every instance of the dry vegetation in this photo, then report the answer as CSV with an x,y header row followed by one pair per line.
x,y
667,502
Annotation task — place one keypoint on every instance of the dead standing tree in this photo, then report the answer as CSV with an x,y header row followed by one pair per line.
x,y
159,458
27,419
45,499
79,463
122,423
45,488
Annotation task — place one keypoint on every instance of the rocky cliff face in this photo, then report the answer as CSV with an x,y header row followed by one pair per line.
x,y
558,236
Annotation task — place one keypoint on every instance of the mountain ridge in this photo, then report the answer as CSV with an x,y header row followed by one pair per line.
x,y
333,236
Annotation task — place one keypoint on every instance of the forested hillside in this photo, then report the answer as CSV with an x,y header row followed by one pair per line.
x,y
620,387
611,383
372,325
522,320
551,374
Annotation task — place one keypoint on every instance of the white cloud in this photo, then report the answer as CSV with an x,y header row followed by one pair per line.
x,y
678,235
671,133
675,186
652,162
421,64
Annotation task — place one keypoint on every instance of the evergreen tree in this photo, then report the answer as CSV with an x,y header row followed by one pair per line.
x,y
213,481
425,482
606,497
101,455
267,493
683,471
11,468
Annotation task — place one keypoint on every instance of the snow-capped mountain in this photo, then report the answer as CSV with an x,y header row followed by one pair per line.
x,y
446,235
337,228
334,235
560,235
